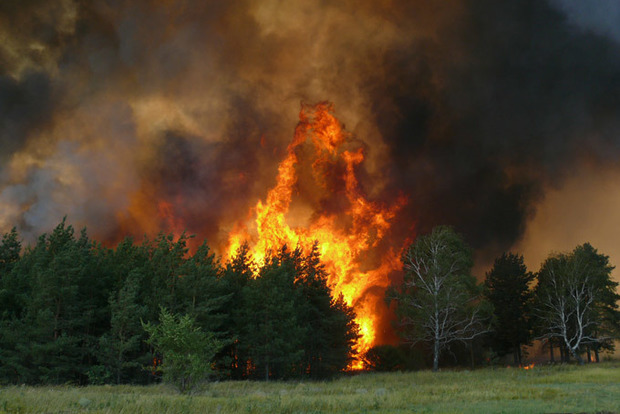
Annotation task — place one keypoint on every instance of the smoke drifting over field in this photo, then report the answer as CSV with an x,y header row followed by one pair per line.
x,y
132,117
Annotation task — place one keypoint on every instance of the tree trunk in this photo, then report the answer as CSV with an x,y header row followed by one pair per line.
x,y
588,354
436,357
471,353
576,356
596,355
267,372
551,352
515,357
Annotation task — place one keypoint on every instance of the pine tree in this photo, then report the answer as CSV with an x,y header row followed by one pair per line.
x,y
272,334
119,349
508,290
10,249
233,280
59,312
332,331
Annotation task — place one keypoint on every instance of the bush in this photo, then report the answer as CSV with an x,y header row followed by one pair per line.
x,y
394,358
187,352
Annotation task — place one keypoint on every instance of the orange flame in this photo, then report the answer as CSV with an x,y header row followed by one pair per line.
x,y
530,366
346,235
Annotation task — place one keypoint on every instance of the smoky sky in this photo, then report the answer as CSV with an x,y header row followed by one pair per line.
x,y
525,98
470,109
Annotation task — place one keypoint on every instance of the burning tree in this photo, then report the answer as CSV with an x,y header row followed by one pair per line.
x,y
292,324
438,301
576,301
342,223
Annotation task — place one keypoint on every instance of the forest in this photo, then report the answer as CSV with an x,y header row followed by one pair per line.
x,y
75,311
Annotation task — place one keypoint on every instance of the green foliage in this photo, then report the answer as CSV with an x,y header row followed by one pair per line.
x,y
508,290
290,323
394,358
439,300
59,299
576,300
331,328
119,348
71,309
10,249
233,279
273,334
187,351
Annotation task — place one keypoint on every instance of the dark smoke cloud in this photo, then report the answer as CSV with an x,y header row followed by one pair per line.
x,y
473,109
25,107
492,111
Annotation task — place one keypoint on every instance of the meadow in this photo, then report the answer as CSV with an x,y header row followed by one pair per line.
x,y
544,389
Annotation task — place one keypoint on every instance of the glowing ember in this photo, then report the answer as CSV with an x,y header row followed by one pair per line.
x,y
346,225
530,366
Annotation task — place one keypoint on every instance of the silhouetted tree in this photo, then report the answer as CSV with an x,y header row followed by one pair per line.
x,y
508,290
331,335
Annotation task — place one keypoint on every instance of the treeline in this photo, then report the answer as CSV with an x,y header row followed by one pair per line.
x,y
570,304
74,311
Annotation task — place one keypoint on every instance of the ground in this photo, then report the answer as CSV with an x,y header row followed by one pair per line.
x,y
594,388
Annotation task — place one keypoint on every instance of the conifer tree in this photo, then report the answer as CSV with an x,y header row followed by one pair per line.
x,y
508,290
273,334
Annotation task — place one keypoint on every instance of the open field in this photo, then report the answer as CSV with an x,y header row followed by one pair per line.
x,y
592,389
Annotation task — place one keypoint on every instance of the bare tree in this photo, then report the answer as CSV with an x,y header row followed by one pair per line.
x,y
438,301
573,298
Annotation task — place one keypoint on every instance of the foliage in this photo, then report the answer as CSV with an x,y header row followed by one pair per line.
x,y
119,348
331,328
10,249
187,352
234,277
576,300
394,358
273,333
71,309
438,301
59,296
507,288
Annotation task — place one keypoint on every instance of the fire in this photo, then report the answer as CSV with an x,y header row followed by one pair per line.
x,y
347,226
530,366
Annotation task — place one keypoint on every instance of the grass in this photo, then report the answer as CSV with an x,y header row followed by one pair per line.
x,y
545,389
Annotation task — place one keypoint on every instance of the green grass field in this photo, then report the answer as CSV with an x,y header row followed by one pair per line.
x,y
545,389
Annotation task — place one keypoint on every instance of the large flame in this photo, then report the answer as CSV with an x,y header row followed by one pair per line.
x,y
346,234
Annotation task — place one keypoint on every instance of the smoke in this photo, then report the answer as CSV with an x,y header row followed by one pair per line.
x,y
472,109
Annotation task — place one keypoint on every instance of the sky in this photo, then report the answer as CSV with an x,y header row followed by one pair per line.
x,y
501,119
